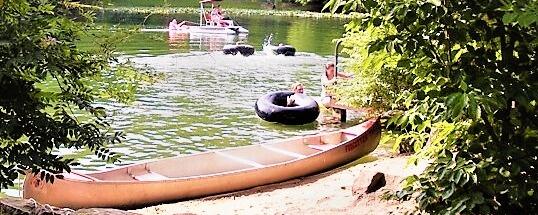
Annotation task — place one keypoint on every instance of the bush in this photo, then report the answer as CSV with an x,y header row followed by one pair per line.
x,y
461,80
37,46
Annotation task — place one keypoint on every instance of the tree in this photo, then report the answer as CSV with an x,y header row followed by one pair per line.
x,y
461,78
37,46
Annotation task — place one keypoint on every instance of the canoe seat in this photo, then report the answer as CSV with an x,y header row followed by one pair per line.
x,y
322,147
282,151
150,176
241,160
143,173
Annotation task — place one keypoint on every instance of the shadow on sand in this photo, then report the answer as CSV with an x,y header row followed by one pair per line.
x,y
294,182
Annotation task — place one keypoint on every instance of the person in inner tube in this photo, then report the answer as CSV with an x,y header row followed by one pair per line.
x,y
328,79
297,89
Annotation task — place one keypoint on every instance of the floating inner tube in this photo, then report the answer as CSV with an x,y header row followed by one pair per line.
x,y
272,107
285,50
245,50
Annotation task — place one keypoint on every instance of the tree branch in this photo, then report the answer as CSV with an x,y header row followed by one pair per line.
x,y
487,124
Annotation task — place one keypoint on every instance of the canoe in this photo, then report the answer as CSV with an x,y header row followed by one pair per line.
x,y
207,173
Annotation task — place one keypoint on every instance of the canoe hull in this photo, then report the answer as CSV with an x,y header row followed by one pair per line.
x,y
85,193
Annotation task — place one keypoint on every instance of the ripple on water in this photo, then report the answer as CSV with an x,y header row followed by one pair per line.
x,y
206,101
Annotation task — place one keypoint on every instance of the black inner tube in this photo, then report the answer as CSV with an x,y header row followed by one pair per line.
x,y
245,50
285,50
272,107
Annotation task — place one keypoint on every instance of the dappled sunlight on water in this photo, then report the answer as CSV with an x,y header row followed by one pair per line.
x,y
206,101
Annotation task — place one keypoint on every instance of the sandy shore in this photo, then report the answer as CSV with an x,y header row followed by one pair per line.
x,y
324,193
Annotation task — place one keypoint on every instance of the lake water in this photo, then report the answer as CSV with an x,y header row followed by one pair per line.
x,y
309,35
206,99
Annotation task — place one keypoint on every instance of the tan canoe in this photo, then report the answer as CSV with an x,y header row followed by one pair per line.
x,y
207,173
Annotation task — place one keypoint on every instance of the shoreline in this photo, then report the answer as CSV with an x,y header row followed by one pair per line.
x,y
330,192
344,190
232,11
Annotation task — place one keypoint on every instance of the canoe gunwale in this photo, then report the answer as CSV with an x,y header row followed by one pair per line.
x,y
263,144
197,177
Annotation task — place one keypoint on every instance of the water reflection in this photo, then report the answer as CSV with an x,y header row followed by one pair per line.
x,y
206,102
309,35
178,40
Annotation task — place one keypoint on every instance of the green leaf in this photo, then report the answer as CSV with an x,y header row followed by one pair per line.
x,y
430,87
526,19
424,125
474,108
457,176
455,104
409,99
448,192
508,18
403,121
329,4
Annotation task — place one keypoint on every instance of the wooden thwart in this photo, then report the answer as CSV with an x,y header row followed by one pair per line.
x,y
282,151
241,160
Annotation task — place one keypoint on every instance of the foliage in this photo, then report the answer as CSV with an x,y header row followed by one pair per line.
x,y
460,78
37,46
123,81
228,11
227,4
375,88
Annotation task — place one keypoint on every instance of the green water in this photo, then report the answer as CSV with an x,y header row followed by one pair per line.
x,y
308,35
206,100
